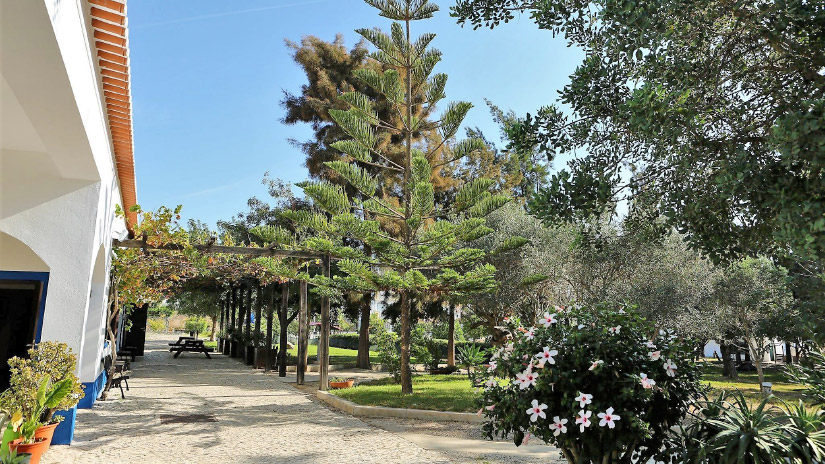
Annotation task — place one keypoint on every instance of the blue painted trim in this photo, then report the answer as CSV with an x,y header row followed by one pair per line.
x,y
92,391
64,433
42,277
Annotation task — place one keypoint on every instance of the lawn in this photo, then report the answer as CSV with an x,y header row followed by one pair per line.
x,y
748,383
336,355
434,392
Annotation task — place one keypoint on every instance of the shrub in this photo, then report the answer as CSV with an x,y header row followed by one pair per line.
x,y
345,340
196,324
52,362
470,356
812,375
389,354
157,325
727,429
599,383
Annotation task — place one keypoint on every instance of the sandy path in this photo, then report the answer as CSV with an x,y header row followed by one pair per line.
x,y
259,419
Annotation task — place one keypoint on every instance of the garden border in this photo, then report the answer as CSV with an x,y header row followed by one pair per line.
x,y
398,413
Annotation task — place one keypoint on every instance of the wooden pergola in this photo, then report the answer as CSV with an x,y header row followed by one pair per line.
x,y
237,308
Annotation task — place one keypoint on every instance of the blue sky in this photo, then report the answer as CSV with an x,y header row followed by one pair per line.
x,y
208,77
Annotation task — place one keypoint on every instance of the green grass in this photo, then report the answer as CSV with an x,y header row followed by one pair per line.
x,y
336,355
434,392
748,383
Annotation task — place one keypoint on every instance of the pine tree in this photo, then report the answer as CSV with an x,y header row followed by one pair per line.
x,y
416,248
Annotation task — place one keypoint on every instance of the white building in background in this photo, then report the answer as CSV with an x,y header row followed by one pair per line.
x,y
65,163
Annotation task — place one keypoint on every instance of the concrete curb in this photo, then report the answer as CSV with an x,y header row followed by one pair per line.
x,y
334,367
378,411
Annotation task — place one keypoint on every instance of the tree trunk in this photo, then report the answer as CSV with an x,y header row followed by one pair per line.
x,y
756,356
303,334
259,301
114,309
214,328
406,374
728,365
269,315
788,359
363,361
323,339
283,314
451,337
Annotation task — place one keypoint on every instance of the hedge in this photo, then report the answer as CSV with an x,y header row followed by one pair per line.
x,y
345,340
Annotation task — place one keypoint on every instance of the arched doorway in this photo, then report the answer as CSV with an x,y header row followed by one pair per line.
x,y
23,281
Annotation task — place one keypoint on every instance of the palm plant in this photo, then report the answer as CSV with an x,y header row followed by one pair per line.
x,y
806,433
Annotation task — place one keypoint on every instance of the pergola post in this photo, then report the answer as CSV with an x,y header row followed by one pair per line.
x,y
248,311
303,334
283,316
259,299
234,307
323,339
269,310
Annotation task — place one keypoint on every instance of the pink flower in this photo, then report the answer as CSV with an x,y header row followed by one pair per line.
x,y
615,330
559,308
491,383
670,368
530,333
584,419
537,411
596,364
546,356
526,379
655,355
490,408
493,366
650,345
549,319
558,426
608,418
584,399
647,383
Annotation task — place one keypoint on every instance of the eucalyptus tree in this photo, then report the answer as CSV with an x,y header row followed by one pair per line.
x,y
416,247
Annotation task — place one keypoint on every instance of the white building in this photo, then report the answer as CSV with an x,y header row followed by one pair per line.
x,y
65,163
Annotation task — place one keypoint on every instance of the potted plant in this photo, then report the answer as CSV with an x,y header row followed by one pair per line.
x,y
52,361
49,395
341,382
10,427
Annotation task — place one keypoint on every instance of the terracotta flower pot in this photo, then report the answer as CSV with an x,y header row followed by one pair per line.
x,y
36,449
46,432
345,384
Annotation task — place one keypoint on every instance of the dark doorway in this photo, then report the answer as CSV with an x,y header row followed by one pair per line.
x,y
19,302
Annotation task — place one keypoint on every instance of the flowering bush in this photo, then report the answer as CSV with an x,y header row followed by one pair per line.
x,y
599,383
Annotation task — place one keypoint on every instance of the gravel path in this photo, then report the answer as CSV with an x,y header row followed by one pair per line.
x,y
259,419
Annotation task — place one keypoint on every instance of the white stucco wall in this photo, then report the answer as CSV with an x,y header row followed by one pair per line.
x,y
58,188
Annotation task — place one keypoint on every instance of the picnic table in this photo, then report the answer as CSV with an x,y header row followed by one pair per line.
x,y
191,345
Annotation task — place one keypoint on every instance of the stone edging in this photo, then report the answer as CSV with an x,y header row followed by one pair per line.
x,y
399,413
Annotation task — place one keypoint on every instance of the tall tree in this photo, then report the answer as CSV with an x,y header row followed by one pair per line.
x,y
414,248
715,107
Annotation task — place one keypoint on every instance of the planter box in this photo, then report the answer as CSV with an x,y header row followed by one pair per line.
x,y
260,359
235,349
249,355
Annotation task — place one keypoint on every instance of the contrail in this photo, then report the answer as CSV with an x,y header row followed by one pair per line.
x,y
225,13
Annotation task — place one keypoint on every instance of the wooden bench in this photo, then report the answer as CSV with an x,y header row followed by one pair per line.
x,y
192,346
181,340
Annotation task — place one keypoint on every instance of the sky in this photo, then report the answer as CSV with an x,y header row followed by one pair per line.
x,y
208,77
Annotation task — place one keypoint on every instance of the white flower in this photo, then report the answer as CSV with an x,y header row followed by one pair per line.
x,y
530,333
559,308
584,419
526,379
650,345
608,418
614,330
491,383
558,426
547,356
549,319
584,399
655,355
596,364
537,411
493,366
670,368
647,382
621,311
580,326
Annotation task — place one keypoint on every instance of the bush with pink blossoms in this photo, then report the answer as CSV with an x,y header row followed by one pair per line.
x,y
602,384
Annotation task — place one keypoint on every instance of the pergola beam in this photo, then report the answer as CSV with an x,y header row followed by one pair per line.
x,y
232,250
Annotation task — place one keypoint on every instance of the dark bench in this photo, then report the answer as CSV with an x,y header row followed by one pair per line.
x,y
192,346
181,340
